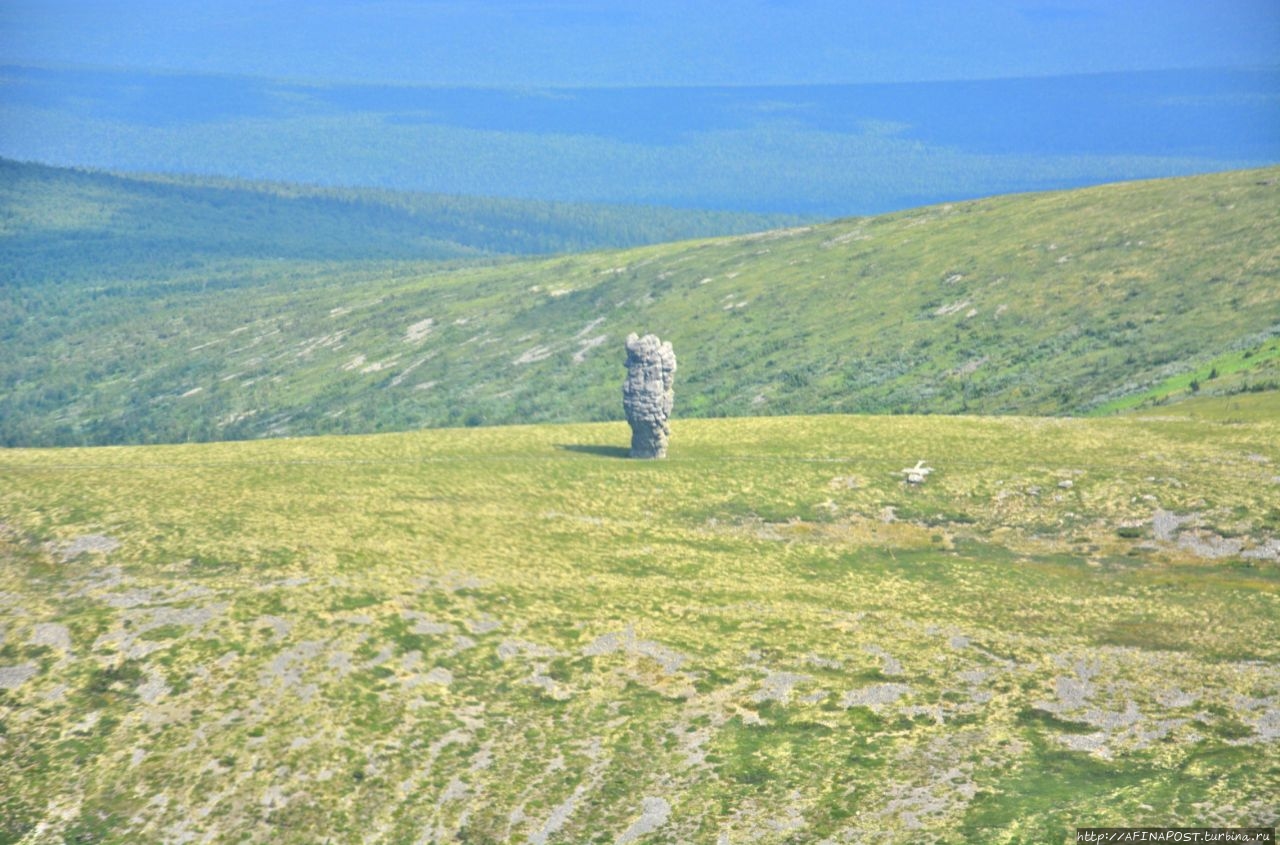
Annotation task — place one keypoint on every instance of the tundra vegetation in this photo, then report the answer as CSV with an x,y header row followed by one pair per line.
x,y
797,628
515,634
1058,303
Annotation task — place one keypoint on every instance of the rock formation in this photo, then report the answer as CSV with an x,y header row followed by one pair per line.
x,y
648,394
918,473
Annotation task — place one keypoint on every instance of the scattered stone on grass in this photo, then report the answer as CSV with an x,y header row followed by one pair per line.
x,y
777,686
12,677
625,641
88,543
918,473
1165,524
51,634
654,812
874,696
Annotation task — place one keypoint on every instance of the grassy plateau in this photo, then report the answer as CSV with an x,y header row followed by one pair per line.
x,y
516,634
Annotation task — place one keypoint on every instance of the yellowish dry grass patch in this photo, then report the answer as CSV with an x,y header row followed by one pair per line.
x,y
518,634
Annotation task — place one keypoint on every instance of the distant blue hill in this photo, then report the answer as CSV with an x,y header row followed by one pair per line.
x,y
821,149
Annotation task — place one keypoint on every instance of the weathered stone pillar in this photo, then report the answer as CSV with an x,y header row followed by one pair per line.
x,y
648,394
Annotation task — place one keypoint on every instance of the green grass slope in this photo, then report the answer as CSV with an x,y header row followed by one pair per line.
x,y
1254,369
513,634
1056,303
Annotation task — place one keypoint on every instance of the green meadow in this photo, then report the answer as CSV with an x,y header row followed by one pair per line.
x,y
517,634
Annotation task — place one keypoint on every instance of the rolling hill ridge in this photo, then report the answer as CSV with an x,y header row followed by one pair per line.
x,y
59,224
1056,303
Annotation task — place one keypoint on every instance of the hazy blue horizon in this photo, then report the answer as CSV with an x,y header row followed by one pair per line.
x,y
820,149
578,43
797,106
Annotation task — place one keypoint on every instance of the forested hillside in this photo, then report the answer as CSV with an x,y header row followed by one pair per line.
x,y
1055,303
60,224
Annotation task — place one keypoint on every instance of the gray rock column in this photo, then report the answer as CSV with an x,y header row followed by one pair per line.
x,y
648,394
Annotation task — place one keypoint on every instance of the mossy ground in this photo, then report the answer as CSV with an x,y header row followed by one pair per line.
x,y
515,634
